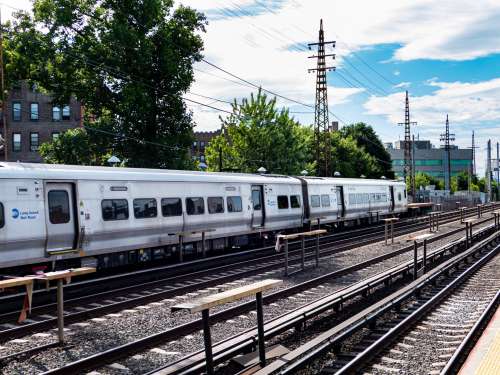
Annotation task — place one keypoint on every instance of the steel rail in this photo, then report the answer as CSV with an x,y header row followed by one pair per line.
x,y
135,346
87,285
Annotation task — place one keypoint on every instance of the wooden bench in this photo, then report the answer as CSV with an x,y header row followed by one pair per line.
x,y
60,277
302,236
468,231
389,222
15,282
434,221
204,304
496,215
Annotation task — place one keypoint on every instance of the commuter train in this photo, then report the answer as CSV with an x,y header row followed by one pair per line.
x,y
104,216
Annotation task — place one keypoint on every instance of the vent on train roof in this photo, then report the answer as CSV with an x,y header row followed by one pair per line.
x,y
274,175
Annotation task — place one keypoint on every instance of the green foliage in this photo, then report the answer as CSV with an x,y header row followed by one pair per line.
x,y
256,135
129,61
365,137
423,180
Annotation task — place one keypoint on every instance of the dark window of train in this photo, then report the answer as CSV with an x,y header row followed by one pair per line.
x,y
405,193
2,218
171,207
325,200
295,201
234,204
195,206
399,196
58,206
215,205
282,202
257,206
145,208
315,201
114,209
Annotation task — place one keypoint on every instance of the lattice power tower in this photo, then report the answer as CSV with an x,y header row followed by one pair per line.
x,y
321,122
408,154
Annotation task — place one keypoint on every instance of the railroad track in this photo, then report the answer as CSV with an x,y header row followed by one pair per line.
x,y
313,308
97,304
86,292
414,330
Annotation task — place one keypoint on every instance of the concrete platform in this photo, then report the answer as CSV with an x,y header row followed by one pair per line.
x,y
484,359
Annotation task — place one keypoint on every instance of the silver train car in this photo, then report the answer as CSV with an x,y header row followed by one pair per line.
x,y
115,216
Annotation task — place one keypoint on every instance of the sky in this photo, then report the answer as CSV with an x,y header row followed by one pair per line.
x,y
445,53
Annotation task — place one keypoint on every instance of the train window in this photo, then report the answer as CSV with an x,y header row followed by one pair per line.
x,y
282,202
295,201
58,206
325,200
215,205
2,218
256,199
195,206
114,209
399,196
234,204
405,193
145,208
171,207
315,201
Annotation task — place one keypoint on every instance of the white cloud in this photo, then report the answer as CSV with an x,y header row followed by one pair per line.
x,y
396,72
402,85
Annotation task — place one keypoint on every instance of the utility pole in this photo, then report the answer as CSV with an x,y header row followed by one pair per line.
x,y
498,173
408,166
473,148
2,96
488,170
413,169
321,123
447,137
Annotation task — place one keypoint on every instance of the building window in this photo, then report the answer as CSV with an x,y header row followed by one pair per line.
x,y
282,202
56,113
171,207
145,208
202,144
58,206
215,205
234,204
16,142
16,111
195,206
34,111
55,136
66,112
202,158
34,142
195,144
114,209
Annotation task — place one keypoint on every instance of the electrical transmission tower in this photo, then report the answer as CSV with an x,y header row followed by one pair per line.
x,y
446,138
408,154
321,123
473,148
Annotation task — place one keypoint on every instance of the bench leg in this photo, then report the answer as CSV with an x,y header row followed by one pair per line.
x,y
208,342
260,328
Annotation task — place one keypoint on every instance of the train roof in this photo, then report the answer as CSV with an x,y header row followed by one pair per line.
x,y
78,172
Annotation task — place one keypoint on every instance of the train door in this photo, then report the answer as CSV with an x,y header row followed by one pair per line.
x,y
258,206
340,201
60,217
391,192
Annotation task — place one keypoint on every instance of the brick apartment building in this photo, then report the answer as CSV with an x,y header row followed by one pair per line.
x,y
32,119
202,139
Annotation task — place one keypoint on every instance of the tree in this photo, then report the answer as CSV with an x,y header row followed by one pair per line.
x,y
423,179
365,137
129,61
257,134
350,160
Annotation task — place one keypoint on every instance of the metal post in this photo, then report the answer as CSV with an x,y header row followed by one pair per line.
x,y
415,255
286,257
478,211
425,255
260,329
203,250
466,235
430,222
385,231
437,222
319,223
208,342
303,245
462,214
317,250
60,311
392,232
181,248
